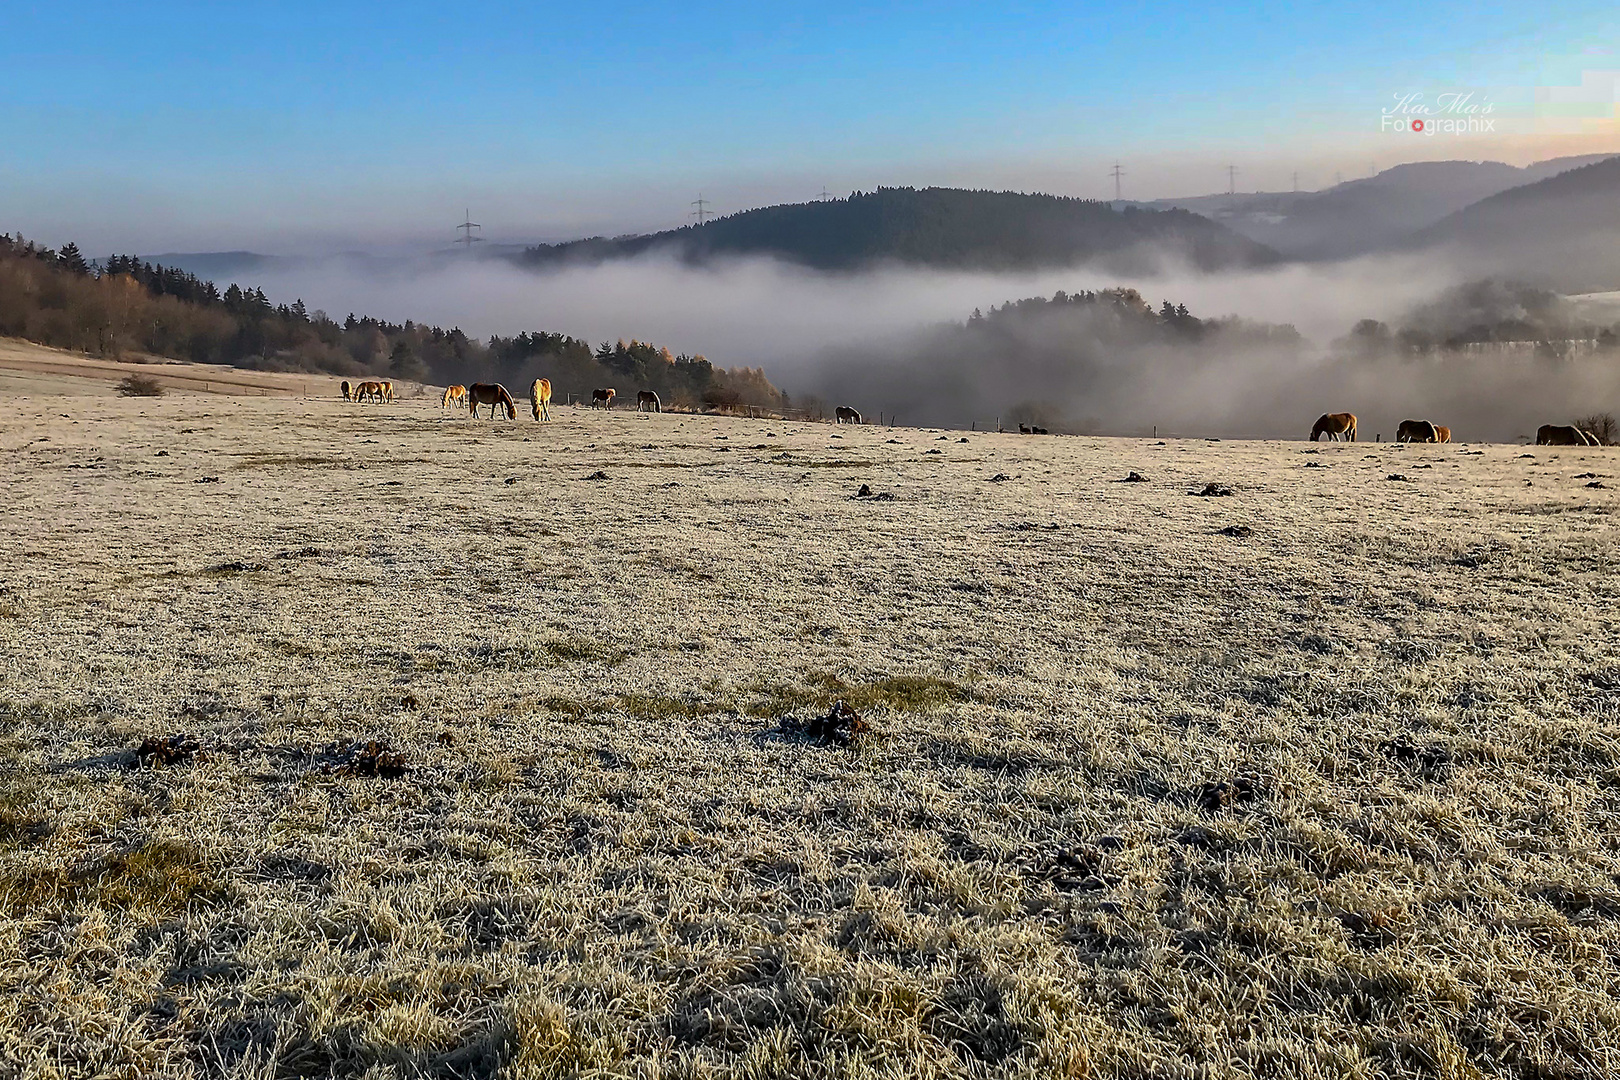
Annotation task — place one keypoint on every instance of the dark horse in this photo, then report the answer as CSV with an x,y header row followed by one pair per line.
x,y
493,395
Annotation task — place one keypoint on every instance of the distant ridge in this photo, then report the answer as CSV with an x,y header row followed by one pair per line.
x,y
1374,213
942,227
216,264
1562,233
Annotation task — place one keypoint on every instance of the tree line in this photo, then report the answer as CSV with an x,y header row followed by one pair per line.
x,y
125,306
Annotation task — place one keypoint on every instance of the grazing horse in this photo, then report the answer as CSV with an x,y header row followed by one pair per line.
x,y
387,391
649,399
493,395
846,415
1416,431
1337,426
1562,435
603,398
348,391
540,398
1442,434
368,391
456,393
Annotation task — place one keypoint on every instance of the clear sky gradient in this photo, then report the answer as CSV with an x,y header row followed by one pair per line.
x,y
290,127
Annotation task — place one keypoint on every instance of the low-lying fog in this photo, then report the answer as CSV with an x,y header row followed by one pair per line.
x,y
880,340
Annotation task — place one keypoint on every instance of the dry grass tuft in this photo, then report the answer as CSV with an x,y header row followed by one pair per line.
x,y
140,386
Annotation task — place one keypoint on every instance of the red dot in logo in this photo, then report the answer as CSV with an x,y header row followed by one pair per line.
x,y
1417,125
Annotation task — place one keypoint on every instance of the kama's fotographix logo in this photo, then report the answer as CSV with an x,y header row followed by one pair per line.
x,y
1453,113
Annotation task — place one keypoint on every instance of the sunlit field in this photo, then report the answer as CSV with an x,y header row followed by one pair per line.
x,y
1318,777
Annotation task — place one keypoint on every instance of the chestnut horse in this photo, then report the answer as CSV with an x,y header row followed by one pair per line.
x,y
348,391
1442,434
369,391
493,395
1336,426
540,398
456,393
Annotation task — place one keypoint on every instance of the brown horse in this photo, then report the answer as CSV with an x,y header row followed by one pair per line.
x,y
846,415
1562,435
540,398
1336,426
348,391
1416,431
493,395
648,399
603,398
369,391
456,393
1442,434
387,390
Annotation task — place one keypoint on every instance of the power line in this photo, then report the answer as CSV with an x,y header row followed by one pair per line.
x,y
467,239
702,210
1116,172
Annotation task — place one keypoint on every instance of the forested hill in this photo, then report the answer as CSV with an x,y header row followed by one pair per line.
x,y
944,227
130,306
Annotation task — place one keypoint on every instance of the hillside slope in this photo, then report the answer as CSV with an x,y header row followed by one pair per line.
x,y
1562,233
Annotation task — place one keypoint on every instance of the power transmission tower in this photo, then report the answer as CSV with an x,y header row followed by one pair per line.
x,y
1231,179
467,239
702,210
1296,180
1116,172
825,194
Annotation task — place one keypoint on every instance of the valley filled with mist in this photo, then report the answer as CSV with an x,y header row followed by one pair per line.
x,y
1432,289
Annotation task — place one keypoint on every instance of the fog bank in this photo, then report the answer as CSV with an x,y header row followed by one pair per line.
x,y
873,339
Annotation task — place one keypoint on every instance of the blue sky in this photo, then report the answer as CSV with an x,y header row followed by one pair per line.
x,y
291,126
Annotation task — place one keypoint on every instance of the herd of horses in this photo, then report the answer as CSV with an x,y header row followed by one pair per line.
x,y
382,390
497,397
1342,426
1338,427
